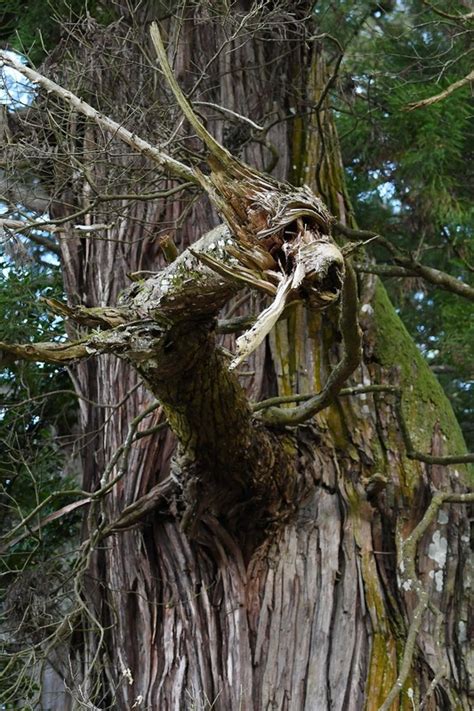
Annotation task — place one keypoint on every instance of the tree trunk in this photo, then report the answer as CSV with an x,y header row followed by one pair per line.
x,y
310,609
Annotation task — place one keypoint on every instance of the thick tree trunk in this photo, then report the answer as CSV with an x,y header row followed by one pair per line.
x,y
312,610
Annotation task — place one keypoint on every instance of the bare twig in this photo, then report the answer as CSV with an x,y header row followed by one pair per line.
x,y
63,511
10,540
123,453
467,17
158,194
236,115
169,164
15,226
442,95
132,512
412,266
384,270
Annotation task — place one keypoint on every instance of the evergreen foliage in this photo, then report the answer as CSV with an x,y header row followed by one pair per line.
x,y
37,413
32,27
410,173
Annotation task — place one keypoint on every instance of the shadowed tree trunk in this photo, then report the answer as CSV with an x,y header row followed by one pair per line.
x,y
275,568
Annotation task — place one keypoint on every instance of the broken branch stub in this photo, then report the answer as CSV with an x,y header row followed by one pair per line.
x,y
291,225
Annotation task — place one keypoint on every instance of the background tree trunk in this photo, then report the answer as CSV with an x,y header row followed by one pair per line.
x,y
316,615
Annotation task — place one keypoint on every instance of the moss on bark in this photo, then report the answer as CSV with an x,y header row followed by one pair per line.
x,y
425,405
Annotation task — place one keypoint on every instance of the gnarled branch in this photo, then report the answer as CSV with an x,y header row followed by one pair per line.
x,y
349,326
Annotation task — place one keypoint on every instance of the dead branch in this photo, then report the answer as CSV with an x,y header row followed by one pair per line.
x,y
166,162
412,266
59,513
134,513
18,226
442,95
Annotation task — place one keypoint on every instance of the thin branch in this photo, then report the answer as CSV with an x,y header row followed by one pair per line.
x,y
384,270
457,18
433,276
123,453
225,110
31,196
166,162
53,393
411,452
113,340
408,651
159,194
11,227
44,521
132,512
214,146
8,538
285,399
439,97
